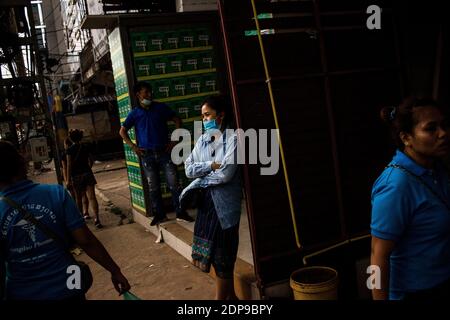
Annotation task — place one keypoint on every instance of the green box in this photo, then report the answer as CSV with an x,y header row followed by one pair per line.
x,y
155,41
124,112
202,37
119,86
171,40
136,198
123,86
206,60
196,107
194,84
179,87
182,108
132,134
164,187
137,176
141,198
162,89
159,65
131,157
191,61
127,152
139,41
130,176
173,105
124,107
209,82
142,66
175,63
187,39
133,175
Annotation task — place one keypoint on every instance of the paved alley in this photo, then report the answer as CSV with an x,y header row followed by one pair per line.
x,y
154,270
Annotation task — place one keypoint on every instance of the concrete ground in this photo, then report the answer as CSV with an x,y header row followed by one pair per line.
x,y
154,270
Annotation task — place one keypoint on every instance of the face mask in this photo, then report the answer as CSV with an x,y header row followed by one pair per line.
x,y
146,102
210,124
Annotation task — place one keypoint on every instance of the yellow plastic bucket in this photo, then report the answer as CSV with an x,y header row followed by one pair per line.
x,y
315,283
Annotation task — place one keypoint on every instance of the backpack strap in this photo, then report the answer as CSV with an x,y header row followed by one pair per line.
x,y
422,181
30,218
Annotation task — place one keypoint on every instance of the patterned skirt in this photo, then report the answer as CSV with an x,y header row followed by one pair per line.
x,y
212,244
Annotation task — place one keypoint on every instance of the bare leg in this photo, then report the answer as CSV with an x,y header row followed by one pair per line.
x,y
79,199
85,204
225,289
90,191
72,192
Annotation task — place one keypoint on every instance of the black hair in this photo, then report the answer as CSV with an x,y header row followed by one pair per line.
x,y
76,135
12,164
221,103
141,85
403,119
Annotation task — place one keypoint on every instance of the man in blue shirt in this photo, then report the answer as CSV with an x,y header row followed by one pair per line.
x,y
36,266
149,119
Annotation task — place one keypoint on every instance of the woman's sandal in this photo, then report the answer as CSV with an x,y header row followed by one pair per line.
x,y
97,224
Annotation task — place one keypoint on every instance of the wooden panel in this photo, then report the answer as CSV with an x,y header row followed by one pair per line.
x,y
311,124
363,141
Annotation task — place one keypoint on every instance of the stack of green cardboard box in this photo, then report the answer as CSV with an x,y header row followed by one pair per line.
x,y
123,101
180,65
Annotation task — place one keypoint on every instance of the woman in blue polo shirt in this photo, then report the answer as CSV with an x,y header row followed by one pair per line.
x,y
411,206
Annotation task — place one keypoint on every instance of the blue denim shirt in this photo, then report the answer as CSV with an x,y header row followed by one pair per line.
x,y
225,182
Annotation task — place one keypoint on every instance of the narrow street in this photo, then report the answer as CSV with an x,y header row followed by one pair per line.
x,y
154,270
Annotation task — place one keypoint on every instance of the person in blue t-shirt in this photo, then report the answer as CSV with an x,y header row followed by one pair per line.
x,y
37,268
150,119
411,207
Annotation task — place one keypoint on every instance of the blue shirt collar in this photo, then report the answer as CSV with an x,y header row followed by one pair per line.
x,y
403,160
18,186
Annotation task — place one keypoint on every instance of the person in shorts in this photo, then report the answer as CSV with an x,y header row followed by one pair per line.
x,y
80,176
